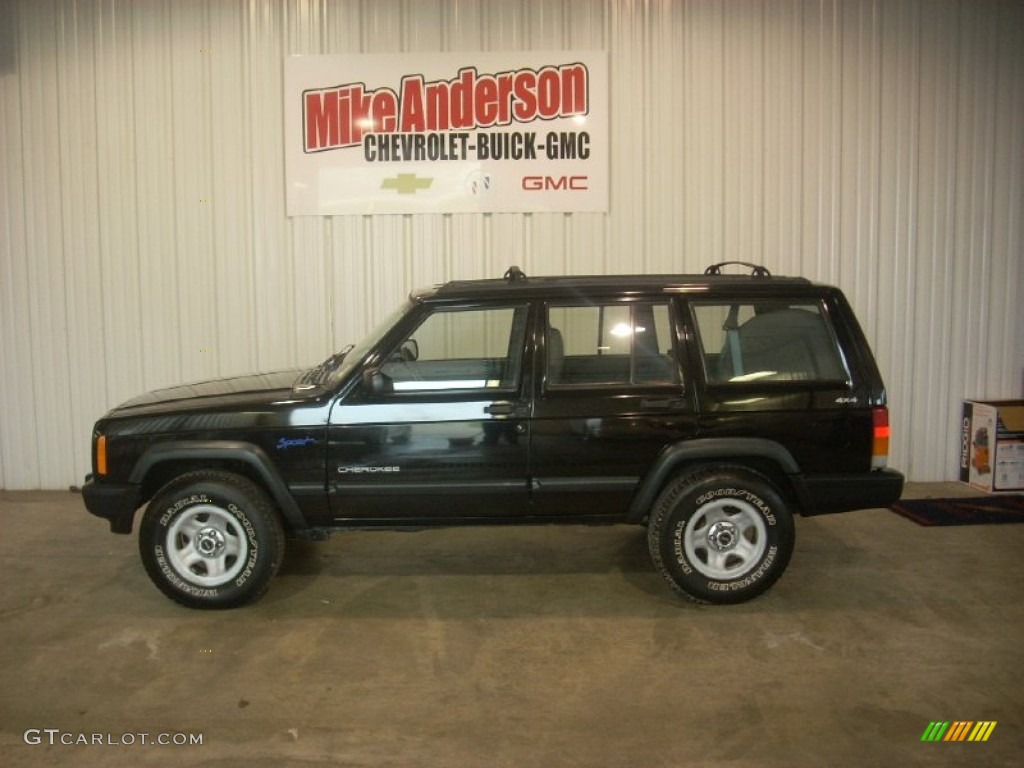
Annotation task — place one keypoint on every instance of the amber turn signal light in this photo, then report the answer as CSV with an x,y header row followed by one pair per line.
x,y
101,455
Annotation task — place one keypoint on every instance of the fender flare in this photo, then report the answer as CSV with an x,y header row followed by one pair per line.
x,y
233,450
715,449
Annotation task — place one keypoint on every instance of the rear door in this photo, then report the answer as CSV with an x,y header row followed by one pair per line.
x,y
610,396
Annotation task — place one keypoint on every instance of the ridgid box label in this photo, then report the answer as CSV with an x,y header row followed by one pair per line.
x,y
447,133
992,445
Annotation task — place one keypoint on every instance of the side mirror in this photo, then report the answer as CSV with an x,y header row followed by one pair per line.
x,y
410,350
377,383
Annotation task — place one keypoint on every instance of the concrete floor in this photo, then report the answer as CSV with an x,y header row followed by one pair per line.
x,y
514,647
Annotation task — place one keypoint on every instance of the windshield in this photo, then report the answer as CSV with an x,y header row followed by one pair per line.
x,y
354,357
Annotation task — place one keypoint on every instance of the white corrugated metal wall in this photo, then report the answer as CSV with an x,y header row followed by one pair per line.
x,y
143,239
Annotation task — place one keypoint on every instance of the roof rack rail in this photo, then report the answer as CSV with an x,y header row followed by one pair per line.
x,y
514,274
755,270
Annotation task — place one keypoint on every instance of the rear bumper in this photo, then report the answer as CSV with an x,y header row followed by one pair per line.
x,y
114,502
826,494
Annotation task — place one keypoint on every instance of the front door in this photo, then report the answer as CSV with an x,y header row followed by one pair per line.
x,y
440,428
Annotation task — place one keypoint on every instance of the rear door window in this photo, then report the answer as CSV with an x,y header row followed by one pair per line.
x,y
617,344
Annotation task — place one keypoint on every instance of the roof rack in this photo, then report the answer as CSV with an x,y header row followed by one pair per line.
x,y
514,274
755,270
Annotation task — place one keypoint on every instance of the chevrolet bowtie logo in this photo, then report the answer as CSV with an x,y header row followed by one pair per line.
x,y
406,184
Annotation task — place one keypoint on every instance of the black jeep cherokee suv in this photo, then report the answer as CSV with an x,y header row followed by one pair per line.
x,y
709,408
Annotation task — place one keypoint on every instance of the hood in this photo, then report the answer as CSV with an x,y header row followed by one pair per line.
x,y
241,388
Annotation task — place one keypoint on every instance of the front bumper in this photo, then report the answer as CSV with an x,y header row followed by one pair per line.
x,y
114,502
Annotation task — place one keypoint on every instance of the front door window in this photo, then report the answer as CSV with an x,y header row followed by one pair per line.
x,y
460,350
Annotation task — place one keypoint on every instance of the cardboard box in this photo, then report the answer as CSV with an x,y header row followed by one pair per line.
x,y
992,445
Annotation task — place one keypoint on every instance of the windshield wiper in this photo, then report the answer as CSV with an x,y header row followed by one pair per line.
x,y
314,377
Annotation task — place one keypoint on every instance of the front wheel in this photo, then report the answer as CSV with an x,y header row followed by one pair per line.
x,y
721,535
211,539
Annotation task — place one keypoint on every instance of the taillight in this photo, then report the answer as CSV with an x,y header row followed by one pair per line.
x,y
101,455
880,437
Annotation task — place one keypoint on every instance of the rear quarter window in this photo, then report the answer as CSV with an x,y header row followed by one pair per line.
x,y
767,341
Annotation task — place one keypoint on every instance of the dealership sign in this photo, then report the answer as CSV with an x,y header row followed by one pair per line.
x,y
446,133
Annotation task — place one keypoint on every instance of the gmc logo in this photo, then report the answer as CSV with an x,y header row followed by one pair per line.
x,y
556,183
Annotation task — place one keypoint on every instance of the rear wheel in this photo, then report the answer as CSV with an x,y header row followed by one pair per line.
x,y
721,534
211,540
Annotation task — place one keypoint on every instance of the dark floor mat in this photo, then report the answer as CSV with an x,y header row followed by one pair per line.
x,y
981,510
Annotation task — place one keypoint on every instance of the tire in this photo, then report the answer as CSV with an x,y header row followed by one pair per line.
x,y
721,535
211,539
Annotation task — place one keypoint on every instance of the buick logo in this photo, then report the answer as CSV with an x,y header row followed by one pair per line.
x,y
478,184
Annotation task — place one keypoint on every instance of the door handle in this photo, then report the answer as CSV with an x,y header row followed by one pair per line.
x,y
506,408
660,403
